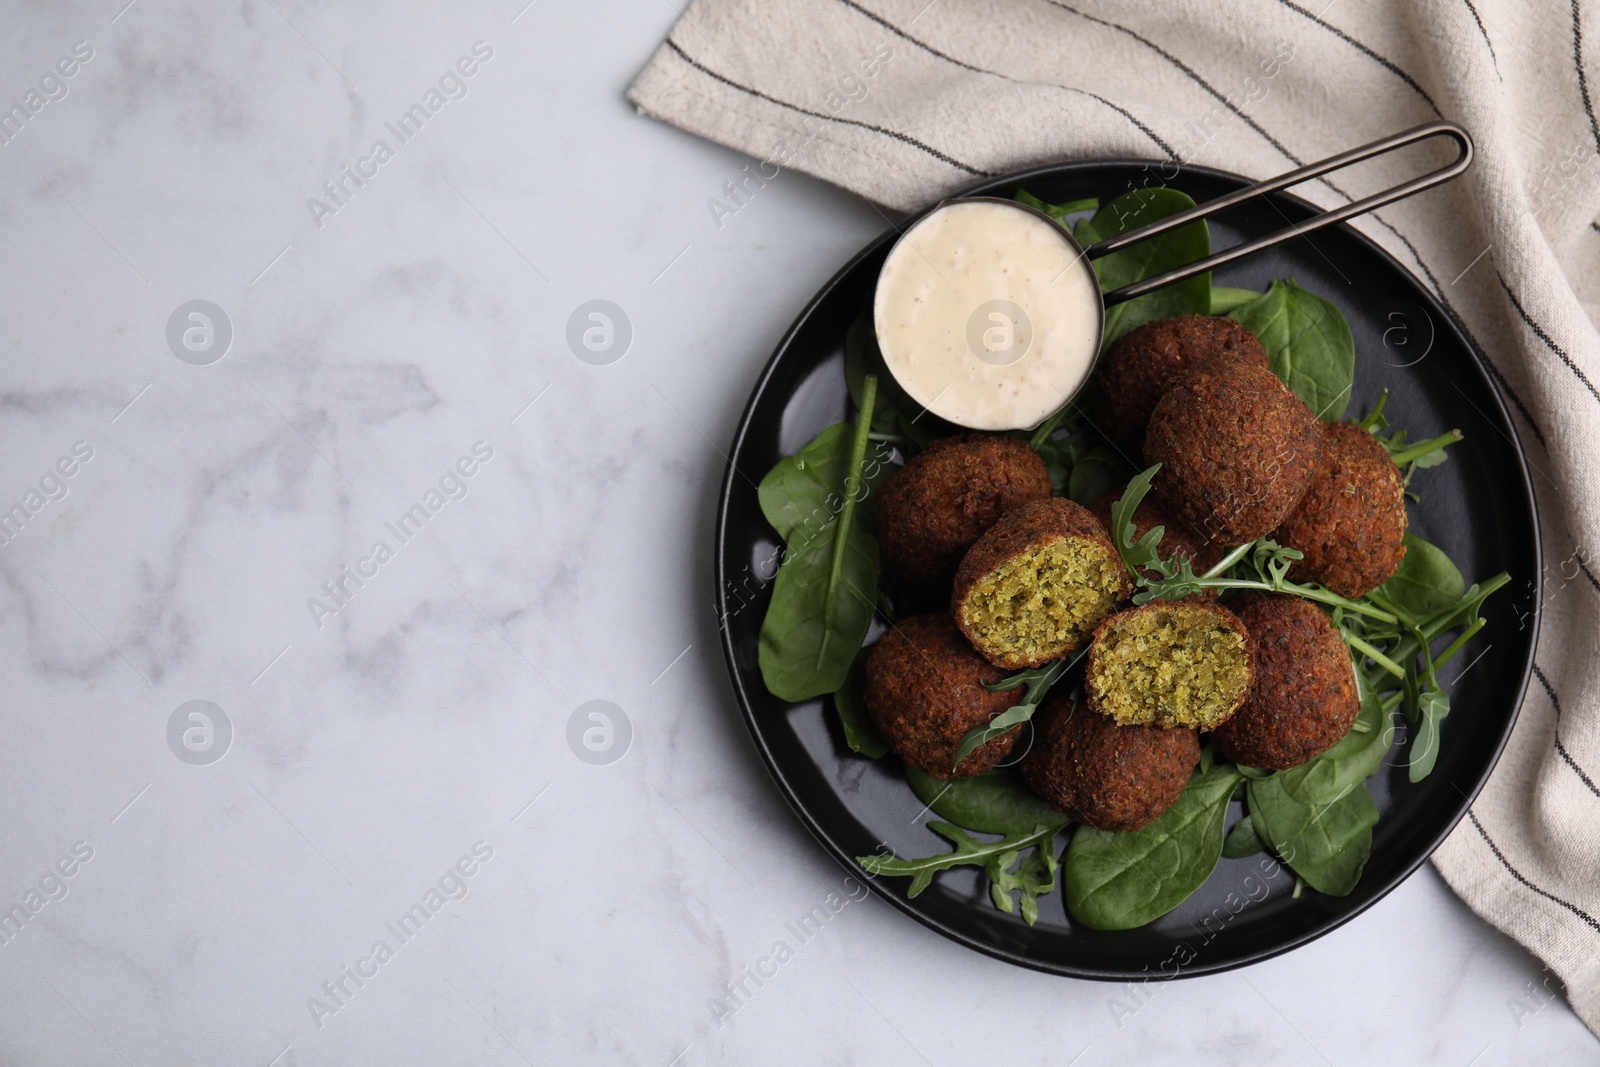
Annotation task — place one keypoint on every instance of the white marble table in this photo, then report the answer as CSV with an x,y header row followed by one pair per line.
x,y
402,740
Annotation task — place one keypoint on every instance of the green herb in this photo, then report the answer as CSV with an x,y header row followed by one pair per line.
x,y
1319,816
1409,457
826,587
1119,881
1308,345
1242,840
998,802
1426,580
1034,876
862,357
1192,296
1059,212
1081,465
1325,842
1225,300
1038,680
1426,596
1096,471
860,733
995,857
1261,565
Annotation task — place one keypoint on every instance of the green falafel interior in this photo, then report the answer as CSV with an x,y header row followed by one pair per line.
x,y
1169,665
1044,603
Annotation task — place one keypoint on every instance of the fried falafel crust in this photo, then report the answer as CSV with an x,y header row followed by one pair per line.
x,y
1110,777
1351,523
1237,450
925,690
1145,362
1304,698
1037,583
931,511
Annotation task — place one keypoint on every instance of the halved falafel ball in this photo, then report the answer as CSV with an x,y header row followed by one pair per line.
x,y
1037,583
1110,777
1304,698
1352,521
925,690
1145,362
1183,664
1176,538
929,512
1237,450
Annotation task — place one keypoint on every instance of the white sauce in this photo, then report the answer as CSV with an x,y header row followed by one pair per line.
x,y
987,315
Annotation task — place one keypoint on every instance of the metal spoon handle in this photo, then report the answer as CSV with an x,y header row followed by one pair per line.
x,y
1294,177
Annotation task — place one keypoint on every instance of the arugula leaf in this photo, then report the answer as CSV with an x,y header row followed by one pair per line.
x,y
1225,300
1136,555
860,733
995,857
1035,876
1059,212
1242,840
1192,296
1429,453
994,803
1038,680
1432,706
1119,881
826,588
1308,345
1425,581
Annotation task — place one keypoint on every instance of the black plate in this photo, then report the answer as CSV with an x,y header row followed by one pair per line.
x,y
1478,507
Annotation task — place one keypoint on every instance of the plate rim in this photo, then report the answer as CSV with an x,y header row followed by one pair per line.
x,y
898,900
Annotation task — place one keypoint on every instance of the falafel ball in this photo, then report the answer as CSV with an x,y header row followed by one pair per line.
x,y
1176,538
1110,777
1183,664
1304,698
1144,363
1351,523
925,690
929,512
1037,583
1237,450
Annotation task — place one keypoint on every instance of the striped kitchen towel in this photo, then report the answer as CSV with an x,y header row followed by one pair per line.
x,y
903,101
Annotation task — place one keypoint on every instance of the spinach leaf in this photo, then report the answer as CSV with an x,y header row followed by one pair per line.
x,y
861,358
804,491
827,585
1319,816
994,803
1119,881
860,733
1059,212
1242,840
1425,581
1192,296
995,857
1308,344
1097,471
1326,843
1225,300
